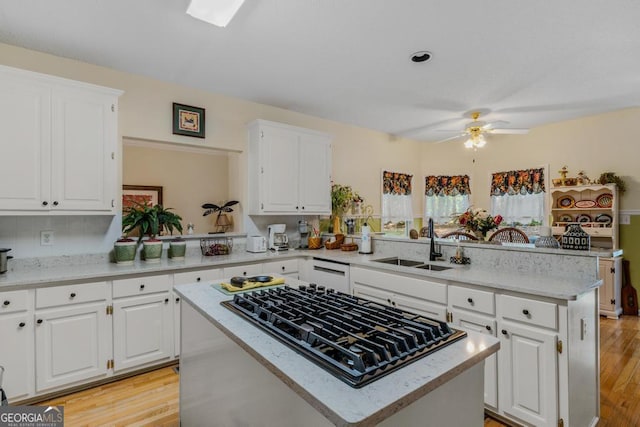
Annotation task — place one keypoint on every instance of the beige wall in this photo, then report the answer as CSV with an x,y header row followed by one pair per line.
x,y
188,180
596,144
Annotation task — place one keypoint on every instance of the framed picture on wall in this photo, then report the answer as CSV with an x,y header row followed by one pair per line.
x,y
141,194
188,120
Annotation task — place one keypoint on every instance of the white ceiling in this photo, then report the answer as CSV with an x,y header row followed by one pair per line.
x,y
525,62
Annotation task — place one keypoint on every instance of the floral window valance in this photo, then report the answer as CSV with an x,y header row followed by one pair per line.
x,y
396,183
443,185
526,181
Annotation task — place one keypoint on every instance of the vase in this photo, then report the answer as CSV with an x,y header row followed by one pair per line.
x,y
124,251
576,238
177,249
481,235
336,224
152,250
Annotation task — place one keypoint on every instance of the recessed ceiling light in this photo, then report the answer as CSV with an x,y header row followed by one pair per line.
x,y
421,56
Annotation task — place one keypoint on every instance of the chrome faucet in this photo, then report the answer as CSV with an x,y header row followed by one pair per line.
x,y
433,255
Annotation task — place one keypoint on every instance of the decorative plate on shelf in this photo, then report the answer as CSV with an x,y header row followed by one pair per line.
x,y
605,200
585,204
565,218
583,218
604,219
566,202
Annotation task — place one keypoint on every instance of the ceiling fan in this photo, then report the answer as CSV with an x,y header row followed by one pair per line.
x,y
477,129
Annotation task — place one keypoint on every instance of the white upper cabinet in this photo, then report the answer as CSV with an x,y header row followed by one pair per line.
x,y
58,138
289,170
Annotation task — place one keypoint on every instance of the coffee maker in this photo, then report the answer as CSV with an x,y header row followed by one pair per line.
x,y
303,229
278,240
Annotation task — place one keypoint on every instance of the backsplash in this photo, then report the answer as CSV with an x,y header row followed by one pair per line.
x,y
72,235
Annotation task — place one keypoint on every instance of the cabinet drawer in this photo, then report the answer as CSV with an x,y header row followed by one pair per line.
x,y
281,267
13,301
141,286
536,313
197,276
243,270
71,294
472,299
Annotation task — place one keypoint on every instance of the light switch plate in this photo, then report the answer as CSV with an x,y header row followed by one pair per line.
x,y
625,219
46,238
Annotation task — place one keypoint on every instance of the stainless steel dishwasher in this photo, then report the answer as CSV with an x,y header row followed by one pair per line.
x,y
331,275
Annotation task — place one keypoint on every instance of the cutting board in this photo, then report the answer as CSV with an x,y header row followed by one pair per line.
x,y
629,294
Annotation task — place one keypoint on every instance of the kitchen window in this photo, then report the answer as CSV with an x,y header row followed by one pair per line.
x,y
519,196
397,210
445,197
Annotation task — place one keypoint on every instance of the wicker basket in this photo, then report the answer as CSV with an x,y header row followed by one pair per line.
x,y
349,247
216,246
336,244
315,242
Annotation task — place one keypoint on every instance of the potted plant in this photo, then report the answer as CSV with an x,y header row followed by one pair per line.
x,y
168,221
341,199
222,223
144,218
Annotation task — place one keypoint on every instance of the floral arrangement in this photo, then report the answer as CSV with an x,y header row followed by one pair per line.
x,y
478,221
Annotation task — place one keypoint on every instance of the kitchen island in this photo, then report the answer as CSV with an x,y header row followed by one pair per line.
x,y
232,373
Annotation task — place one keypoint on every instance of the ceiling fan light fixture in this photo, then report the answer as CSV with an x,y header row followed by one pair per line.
x,y
216,12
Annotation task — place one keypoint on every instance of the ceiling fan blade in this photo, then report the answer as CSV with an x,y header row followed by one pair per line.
x,y
509,131
495,124
460,135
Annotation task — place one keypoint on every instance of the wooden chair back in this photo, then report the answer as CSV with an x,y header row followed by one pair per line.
x,y
510,235
460,235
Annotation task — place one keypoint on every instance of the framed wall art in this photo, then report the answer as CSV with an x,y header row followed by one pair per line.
x,y
188,120
141,194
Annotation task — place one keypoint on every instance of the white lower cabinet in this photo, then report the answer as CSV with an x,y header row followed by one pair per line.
x,y
185,278
143,321
72,335
286,268
528,374
611,289
242,270
419,295
475,310
17,355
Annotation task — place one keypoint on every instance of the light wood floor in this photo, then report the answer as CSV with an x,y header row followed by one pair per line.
x,y
152,398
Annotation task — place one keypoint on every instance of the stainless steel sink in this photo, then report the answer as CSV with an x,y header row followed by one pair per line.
x,y
433,267
399,261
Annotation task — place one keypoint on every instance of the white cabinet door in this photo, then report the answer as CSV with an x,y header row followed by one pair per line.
x,y
58,139
315,174
25,143
611,290
289,170
142,330
16,355
279,170
72,344
528,374
84,133
373,294
483,325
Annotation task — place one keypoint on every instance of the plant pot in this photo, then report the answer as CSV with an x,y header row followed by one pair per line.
x,y
177,249
124,251
152,250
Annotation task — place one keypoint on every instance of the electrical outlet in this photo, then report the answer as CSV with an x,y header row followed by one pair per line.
x,y
625,219
583,329
46,238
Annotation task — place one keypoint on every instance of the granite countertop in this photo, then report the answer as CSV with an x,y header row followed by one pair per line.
x,y
325,392
75,271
